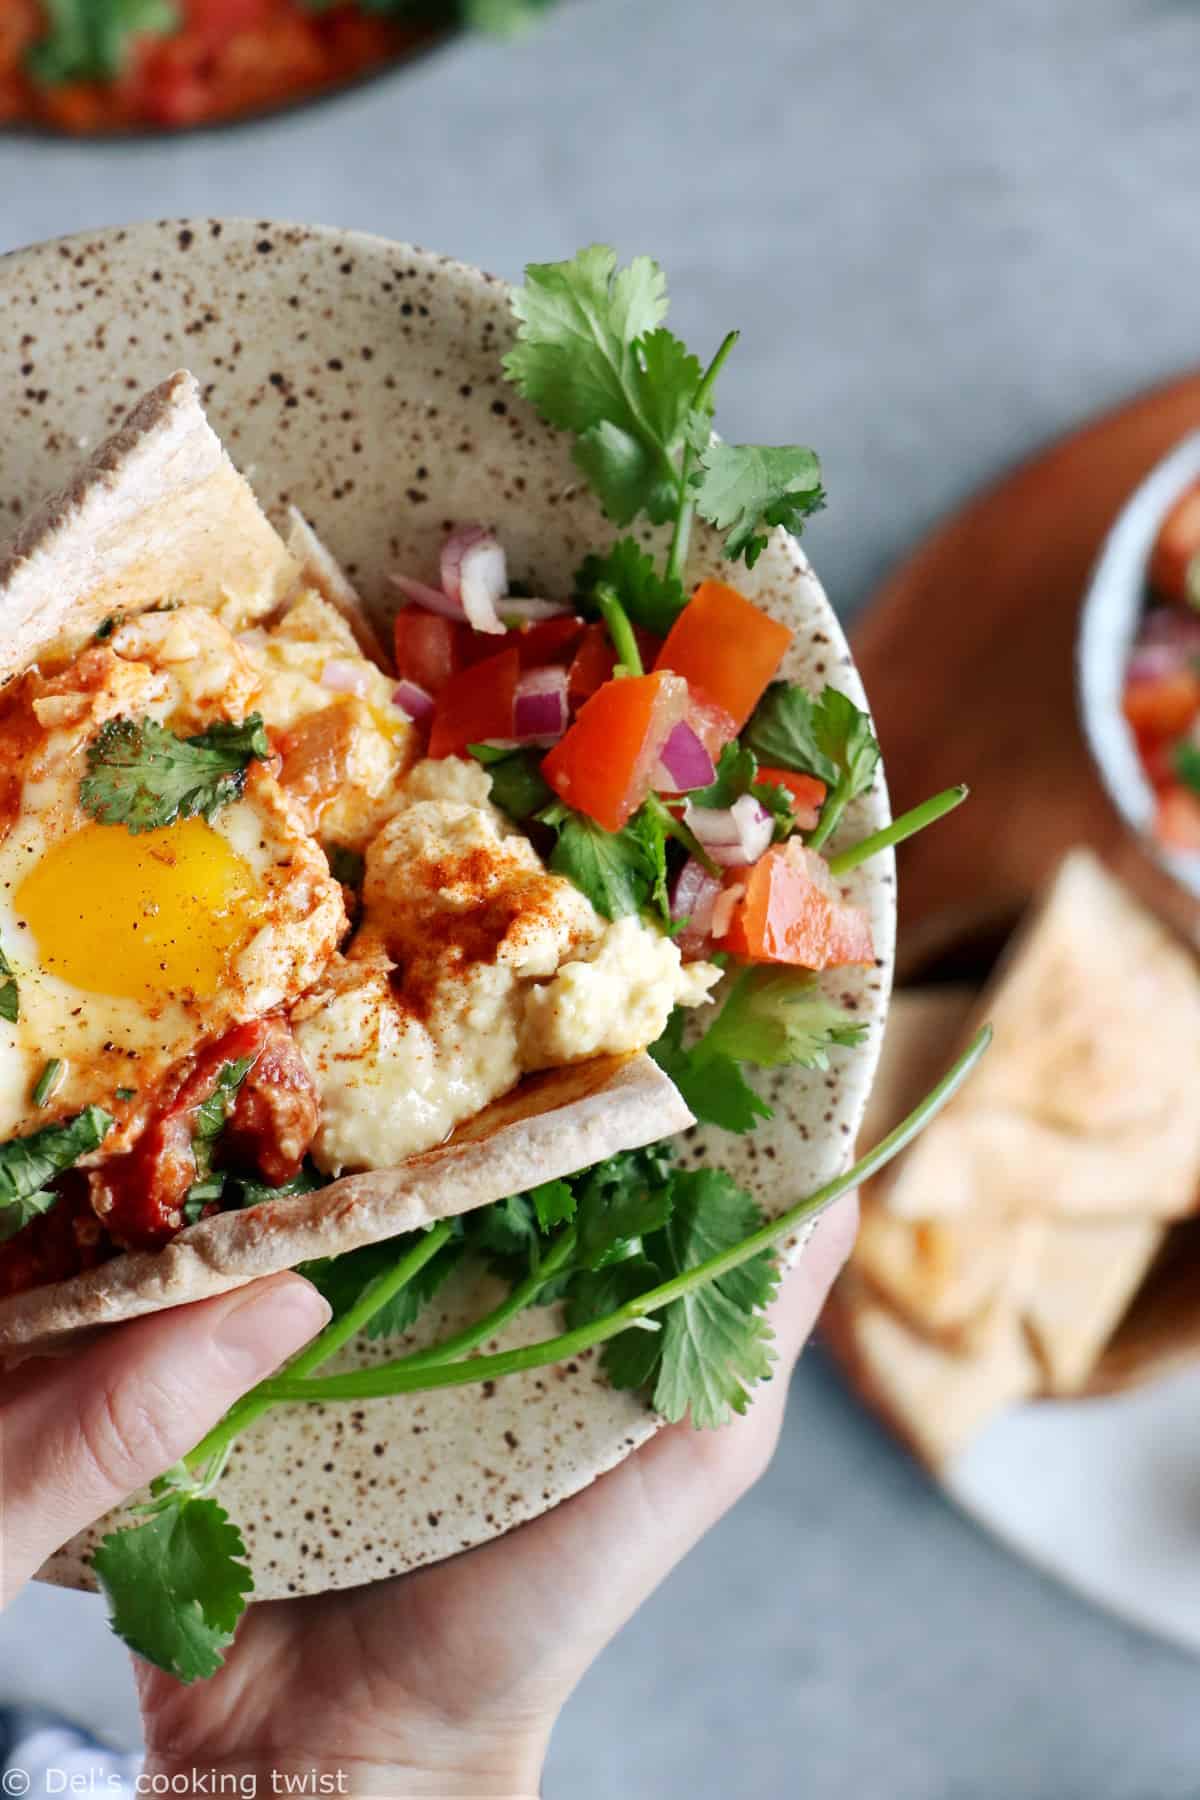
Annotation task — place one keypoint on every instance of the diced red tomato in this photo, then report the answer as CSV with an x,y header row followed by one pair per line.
x,y
723,645
1176,547
475,705
1158,760
216,19
55,1244
808,794
430,649
790,911
1177,821
711,723
595,660
548,641
1163,706
604,764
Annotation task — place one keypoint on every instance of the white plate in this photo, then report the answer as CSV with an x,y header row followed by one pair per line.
x,y
1102,1494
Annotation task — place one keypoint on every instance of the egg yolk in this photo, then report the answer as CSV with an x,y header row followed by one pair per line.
x,y
140,916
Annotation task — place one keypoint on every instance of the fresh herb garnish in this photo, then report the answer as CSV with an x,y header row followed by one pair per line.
x,y
593,356
828,737
345,1279
10,996
126,1093
346,865
246,1190
210,1121
737,774
49,1079
620,871
142,776
1186,758
518,786
651,600
90,40
28,1164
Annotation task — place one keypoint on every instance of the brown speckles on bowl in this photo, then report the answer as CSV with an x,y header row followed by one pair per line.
x,y
388,373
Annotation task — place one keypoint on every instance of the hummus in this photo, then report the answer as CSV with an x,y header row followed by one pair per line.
x,y
472,966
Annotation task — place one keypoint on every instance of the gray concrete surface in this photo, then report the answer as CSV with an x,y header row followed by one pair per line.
x,y
948,231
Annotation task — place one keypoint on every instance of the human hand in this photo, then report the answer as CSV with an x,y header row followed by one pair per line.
x,y
448,1681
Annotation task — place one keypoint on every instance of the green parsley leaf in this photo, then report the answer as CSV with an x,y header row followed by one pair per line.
x,y
518,785
143,776
828,737
745,488
651,600
176,1586
1186,758
712,1085
10,997
592,358
714,1342
28,1164
90,40
342,1280
619,871
776,1016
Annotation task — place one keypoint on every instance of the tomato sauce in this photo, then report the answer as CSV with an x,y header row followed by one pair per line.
x,y
227,58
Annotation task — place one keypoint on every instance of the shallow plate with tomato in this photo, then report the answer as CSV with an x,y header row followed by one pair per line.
x,y
1139,661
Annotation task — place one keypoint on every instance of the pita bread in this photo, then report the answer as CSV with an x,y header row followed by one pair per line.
x,y
161,512
1160,1332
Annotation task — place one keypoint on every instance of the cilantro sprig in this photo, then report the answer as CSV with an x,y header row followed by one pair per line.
x,y
594,356
142,776
28,1165
90,40
210,1120
828,737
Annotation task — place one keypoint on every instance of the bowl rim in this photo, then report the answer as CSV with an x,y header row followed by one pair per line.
x,y
1114,604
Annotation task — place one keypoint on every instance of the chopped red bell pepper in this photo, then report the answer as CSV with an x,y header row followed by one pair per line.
x,y
1163,706
604,764
475,705
1177,821
789,910
1177,547
722,644
808,794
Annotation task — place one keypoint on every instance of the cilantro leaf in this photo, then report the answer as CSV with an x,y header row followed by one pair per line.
x,y
828,737
90,40
621,1201
502,18
1187,766
619,871
745,488
28,1164
737,774
176,1586
518,786
10,998
651,600
712,1085
210,1119
143,776
342,1279
592,358
776,1016
246,1190
506,1232
715,1343
554,1204
631,1359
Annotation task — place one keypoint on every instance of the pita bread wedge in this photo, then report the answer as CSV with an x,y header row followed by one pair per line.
x,y
161,513
1160,1331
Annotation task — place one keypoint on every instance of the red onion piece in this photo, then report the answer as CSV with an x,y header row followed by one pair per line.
x,y
733,835
414,701
1150,662
683,762
531,612
475,574
540,709
342,676
427,598
694,898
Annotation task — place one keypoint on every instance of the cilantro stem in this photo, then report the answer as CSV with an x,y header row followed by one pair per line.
x,y
397,1378
906,826
681,537
523,1295
676,829
629,657
377,1293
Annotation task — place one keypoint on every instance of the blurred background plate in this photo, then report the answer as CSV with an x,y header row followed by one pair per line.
x,y
1102,1493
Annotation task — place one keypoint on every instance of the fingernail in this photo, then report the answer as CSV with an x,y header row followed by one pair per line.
x,y
264,1327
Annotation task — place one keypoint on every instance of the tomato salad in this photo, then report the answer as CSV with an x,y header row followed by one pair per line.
x,y
93,66
1161,699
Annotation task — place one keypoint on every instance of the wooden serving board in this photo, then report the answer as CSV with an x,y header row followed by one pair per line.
x,y
968,655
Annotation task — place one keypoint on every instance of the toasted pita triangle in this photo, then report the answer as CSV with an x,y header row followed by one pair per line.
x,y
160,512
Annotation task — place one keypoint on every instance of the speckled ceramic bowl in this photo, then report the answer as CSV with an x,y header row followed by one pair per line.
x,y
361,380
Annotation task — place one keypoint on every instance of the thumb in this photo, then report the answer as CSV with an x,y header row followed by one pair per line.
x,y
80,1433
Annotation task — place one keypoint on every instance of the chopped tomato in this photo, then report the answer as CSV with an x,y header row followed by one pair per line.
x,y
1163,706
808,794
475,705
711,723
547,641
216,19
430,649
604,764
726,647
1177,547
595,660
1158,760
789,910
1177,822
64,1241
